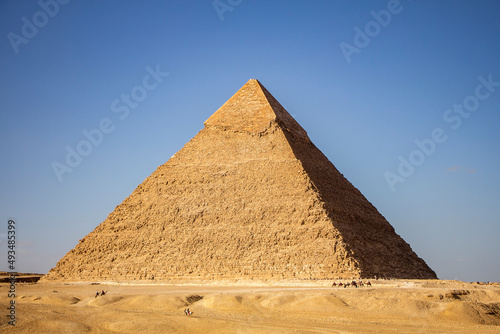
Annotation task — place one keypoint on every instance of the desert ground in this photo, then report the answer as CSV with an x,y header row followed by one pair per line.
x,y
388,306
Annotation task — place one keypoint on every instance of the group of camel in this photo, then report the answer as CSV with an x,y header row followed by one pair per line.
x,y
353,283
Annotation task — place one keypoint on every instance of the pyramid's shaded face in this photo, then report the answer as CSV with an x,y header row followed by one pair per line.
x,y
248,197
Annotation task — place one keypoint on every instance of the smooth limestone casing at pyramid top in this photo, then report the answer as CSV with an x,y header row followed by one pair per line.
x,y
250,196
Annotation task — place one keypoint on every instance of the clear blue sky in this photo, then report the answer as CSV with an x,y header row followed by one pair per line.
x,y
363,89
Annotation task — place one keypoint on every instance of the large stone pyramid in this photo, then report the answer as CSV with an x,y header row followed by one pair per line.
x,y
250,196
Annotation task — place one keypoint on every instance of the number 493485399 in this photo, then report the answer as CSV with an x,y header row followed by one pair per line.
x,y
11,236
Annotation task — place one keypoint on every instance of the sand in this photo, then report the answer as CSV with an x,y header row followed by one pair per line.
x,y
419,306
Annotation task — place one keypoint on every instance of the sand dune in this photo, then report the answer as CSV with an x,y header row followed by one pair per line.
x,y
387,307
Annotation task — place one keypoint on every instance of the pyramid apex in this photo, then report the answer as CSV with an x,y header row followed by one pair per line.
x,y
253,109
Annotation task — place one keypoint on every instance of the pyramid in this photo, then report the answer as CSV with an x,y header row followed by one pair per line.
x,y
250,196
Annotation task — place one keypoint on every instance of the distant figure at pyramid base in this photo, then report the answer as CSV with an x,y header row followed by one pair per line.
x,y
249,197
